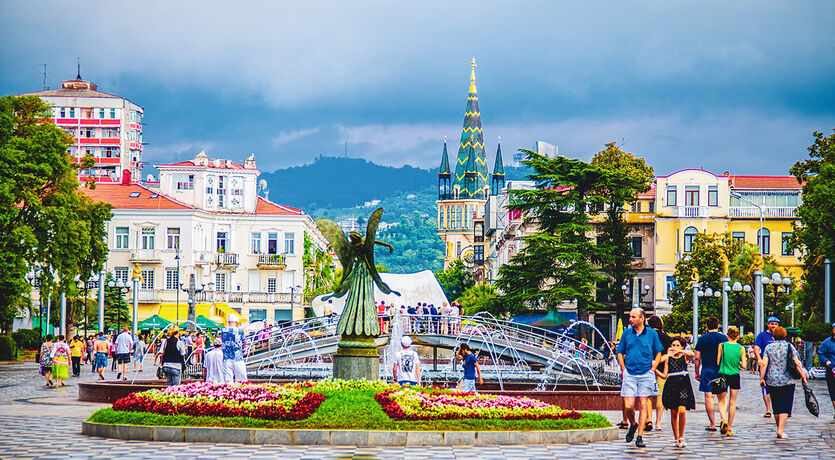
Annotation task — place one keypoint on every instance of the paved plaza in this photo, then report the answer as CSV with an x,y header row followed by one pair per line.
x,y
42,423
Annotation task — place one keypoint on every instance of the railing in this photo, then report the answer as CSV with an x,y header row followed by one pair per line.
x,y
144,255
278,261
147,295
250,297
751,211
693,211
226,258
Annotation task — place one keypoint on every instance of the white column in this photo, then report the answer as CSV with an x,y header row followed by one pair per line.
x,y
135,304
695,313
725,288
101,300
758,302
827,290
63,326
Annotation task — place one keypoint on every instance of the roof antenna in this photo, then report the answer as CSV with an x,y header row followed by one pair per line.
x,y
78,74
45,87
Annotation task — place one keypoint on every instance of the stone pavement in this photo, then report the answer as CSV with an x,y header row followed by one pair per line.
x,y
44,424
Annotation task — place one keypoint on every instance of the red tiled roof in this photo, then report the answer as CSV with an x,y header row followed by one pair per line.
x,y
209,164
649,193
764,182
267,207
119,196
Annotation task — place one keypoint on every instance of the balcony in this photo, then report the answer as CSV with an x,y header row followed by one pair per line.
x,y
145,256
147,296
692,211
250,297
226,259
272,261
767,212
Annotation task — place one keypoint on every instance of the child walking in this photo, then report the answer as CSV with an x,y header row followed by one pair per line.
x,y
678,393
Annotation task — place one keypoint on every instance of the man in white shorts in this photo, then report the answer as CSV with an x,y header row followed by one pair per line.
x,y
232,337
639,352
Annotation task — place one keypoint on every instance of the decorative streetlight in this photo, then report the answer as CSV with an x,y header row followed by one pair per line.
x,y
86,286
738,287
192,291
699,292
34,280
779,283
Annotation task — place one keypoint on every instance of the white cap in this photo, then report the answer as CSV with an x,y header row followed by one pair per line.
x,y
406,341
232,318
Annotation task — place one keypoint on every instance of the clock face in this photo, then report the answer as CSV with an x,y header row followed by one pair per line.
x,y
468,257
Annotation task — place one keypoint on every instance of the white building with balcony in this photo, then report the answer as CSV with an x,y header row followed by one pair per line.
x,y
207,220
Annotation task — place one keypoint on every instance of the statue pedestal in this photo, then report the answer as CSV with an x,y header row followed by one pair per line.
x,y
356,359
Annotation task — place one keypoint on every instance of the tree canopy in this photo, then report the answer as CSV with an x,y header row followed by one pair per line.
x,y
455,280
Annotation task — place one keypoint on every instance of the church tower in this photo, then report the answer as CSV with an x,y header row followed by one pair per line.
x,y
460,206
497,179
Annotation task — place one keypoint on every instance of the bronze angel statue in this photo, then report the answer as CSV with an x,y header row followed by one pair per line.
x,y
359,274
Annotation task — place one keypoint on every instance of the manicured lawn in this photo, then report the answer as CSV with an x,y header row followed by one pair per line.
x,y
350,410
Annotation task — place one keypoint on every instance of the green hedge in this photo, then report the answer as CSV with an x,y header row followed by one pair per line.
x,y
8,349
27,339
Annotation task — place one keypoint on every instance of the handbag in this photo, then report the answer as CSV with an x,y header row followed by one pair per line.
x,y
811,401
719,385
791,366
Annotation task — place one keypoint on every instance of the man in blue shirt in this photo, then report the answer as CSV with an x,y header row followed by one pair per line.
x,y
707,369
826,356
471,368
764,338
639,352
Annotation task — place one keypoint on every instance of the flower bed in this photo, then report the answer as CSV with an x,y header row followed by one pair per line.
x,y
409,403
260,401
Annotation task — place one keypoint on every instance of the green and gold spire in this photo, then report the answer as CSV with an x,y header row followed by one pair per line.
x,y
497,181
471,157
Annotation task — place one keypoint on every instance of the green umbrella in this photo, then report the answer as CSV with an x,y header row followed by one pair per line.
x,y
154,322
206,323
553,318
793,330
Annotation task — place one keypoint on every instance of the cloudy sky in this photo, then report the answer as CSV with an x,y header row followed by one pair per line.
x,y
735,86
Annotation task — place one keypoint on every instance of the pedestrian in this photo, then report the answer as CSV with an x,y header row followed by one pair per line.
x,y
112,343
763,339
731,356
213,363
655,322
124,345
435,319
678,395
233,344
706,366
76,350
139,350
199,345
406,368
89,349
774,374
60,361
639,353
752,360
101,346
46,360
381,312
471,369
173,354
826,357
444,318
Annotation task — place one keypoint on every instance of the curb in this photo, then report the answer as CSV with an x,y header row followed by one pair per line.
x,y
358,438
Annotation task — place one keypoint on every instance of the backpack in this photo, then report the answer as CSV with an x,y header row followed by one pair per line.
x,y
46,360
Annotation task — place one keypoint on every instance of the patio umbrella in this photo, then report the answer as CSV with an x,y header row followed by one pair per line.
x,y
206,323
620,330
551,319
154,322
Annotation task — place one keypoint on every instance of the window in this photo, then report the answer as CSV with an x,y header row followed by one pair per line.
x,y
636,206
172,279
764,241
147,279
122,237
689,235
112,113
672,198
147,238
121,274
785,248
72,112
272,243
636,243
101,113
289,243
713,195
271,284
738,236
220,282
257,314
691,195
458,249
173,238
221,242
63,113
256,243
184,181
671,285
652,206
221,191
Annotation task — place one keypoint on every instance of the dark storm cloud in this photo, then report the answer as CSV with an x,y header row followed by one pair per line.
x,y
736,86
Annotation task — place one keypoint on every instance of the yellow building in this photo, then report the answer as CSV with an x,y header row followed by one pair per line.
x,y
754,209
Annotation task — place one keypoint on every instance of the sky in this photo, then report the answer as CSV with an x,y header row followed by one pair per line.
x,y
725,86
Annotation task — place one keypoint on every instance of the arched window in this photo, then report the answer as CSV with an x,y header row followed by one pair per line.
x,y
689,236
764,241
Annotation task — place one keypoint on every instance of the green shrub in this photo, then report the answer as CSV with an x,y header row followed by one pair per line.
x,y
816,331
27,339
8,349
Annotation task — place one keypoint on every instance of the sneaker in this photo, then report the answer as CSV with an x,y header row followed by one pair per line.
x,y
682,443
639,442
677,444
631,433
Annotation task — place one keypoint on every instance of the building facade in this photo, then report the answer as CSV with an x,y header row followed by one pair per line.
x,y
207,221
104,126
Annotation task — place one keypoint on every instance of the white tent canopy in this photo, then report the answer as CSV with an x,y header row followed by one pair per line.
x,y
413,288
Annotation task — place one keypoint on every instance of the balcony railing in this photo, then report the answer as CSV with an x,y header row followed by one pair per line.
x,y
147,295
226,259
272,261
250,297
145,256
693,211
754,212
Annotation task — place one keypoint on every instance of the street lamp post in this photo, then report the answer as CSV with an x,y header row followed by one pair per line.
x,y
123,289
778,282
698,292
34,281
192,291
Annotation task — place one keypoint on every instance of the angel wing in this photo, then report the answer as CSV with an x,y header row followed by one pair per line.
x,y
339,243
368,250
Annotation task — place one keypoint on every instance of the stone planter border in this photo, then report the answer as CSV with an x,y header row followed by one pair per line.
x,y
360,438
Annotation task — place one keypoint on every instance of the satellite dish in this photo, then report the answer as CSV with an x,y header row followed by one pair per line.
x,y
262,184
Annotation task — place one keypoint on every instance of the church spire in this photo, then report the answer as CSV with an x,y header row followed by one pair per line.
x,y
444,176
471,145
497,181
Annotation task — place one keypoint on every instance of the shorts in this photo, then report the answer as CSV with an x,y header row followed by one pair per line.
x,y
732,380
639,386
707,374
468,386
234,371
101,360
660,383
122,358
782,399
407,382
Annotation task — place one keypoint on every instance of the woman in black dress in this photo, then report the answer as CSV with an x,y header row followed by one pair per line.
x,y
678,393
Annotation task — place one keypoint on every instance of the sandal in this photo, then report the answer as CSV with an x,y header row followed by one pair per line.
x,y
710,428
767,415
723,428
623,425
648,427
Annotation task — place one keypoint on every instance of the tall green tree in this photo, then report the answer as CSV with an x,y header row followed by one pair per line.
x,y
814,235
318,264
455,280
628,176
560,262
45,220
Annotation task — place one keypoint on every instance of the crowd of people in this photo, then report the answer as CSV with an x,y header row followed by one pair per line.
x,y
655,374
422,318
